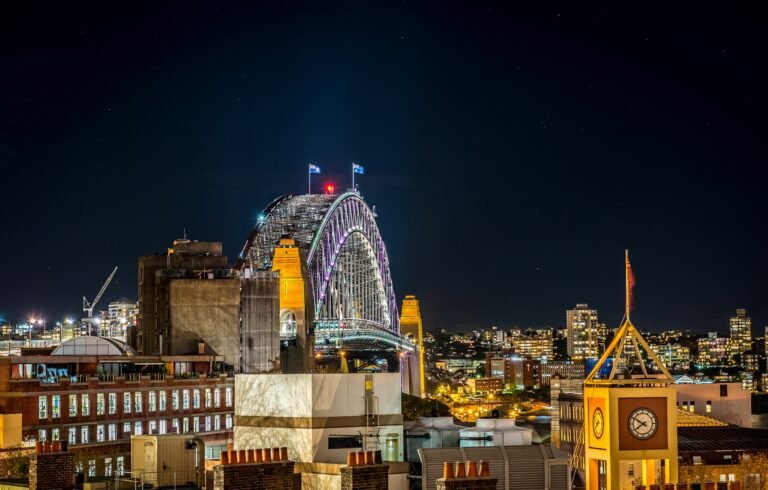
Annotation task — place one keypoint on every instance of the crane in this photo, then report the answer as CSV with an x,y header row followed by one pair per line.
x,y
88,306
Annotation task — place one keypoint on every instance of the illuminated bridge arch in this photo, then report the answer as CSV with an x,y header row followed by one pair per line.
x,y
353,297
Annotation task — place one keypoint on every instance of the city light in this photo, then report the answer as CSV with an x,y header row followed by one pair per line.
x,y
329,188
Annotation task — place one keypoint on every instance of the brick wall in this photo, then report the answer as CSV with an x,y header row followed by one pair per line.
x,y
368,477
274,475
477,483
51,471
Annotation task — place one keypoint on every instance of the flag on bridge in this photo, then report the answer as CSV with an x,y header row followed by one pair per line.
x,y
358,169
314,169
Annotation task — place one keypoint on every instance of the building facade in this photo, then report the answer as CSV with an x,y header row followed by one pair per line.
x,y
741,334
586,335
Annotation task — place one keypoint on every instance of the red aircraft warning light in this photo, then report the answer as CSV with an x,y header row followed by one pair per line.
x,y
329,188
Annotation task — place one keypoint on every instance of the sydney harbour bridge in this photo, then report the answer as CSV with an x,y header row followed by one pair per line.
x,y
353,304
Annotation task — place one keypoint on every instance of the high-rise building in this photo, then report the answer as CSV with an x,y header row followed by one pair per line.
x,y
713,350
741,334
586,335
120,316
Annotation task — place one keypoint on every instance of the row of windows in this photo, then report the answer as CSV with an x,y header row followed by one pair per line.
x,y
119,469
156,401
109,432
691,405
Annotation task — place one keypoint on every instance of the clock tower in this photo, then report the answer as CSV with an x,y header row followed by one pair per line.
x,y
630,416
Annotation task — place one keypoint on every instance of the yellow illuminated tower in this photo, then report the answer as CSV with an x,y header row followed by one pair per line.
x,y
630,419
296,316
410,327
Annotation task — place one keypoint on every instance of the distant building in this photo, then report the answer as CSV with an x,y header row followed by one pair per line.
x,y
537,346
121,316
713,350
728,402
485,385
674,356
586,335
741,334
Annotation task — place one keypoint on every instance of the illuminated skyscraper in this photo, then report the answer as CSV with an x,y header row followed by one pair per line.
x,y
586,335
741,334
411,327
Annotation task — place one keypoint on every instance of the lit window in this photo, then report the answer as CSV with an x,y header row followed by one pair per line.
x,y
85,405
84,434
41,435
162,401
72,438
175,425
91,467
152,401
120,465
126,428
709,406
55,434
73,405
185,398
42,405
216,422
196,424
126,402
228,422
175,399
196,398
55,406
107,466
207,423
100,433
185,422
208,398
112,432
228,396
152,429
693,406
137,398
137,428
216,397
163,427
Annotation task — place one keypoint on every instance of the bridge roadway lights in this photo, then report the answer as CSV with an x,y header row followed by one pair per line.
x,y
388,361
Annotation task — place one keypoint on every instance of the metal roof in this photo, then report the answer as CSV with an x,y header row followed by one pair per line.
x,y
694,439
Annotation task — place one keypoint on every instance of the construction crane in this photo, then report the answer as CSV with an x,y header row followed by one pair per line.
x,y
88,306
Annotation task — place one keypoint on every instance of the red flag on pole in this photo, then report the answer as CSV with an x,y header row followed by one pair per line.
x,y
630,284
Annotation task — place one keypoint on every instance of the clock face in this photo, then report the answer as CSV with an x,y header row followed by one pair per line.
x,y
643,423
598,423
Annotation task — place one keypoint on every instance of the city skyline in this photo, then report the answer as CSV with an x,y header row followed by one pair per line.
x,y
569,136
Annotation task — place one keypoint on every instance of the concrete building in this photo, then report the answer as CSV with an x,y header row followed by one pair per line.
x,y
260,336
187,260
586,335
120,318
411,328
741,334
96,393
728,402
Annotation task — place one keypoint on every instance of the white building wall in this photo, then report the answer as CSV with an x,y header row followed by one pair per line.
x,y
734,408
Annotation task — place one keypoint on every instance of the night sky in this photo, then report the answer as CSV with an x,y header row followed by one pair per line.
x,y
512,155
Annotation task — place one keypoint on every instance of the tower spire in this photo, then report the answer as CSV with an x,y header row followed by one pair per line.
x,y
626,284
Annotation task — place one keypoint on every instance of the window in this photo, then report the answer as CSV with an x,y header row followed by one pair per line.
x,y
152,401
228,396
107,466
697,460
196,424
41,435
228,422
175,425
152,428
175,399
195,398
162,401
185,422
185,398
685,405
630,469
723,390
207,423
73,405
126,428
162,427
216,422
72,438
99,404
91,467
126,402
208,398
112,432
55,434
137,428
709,406
216,397
84,434
42,405
137,398
85,405
55,406
693,406
120,465
100,433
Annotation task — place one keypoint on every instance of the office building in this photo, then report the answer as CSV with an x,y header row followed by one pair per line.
x,y
741,335
586,335
713,350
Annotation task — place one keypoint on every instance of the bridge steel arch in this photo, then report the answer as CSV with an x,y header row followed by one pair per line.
x,y
352,290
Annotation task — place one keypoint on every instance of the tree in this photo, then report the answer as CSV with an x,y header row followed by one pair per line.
x,y
14,463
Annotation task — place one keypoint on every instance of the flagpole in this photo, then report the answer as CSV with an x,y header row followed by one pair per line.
x,y
626,282
353,175
309,179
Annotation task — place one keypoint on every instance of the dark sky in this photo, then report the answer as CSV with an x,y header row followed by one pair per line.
x,y
511,154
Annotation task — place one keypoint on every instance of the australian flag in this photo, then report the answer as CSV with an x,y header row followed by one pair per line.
x,y
314,169
358,169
